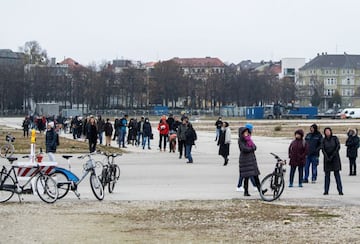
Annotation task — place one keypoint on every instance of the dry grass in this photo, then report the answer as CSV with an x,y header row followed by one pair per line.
x,y
22,145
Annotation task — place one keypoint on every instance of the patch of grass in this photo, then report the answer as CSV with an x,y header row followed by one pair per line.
x,y
22,144
277,128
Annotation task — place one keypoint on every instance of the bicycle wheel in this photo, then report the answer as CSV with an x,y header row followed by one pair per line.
x,y
62,182
117,175
7,150
103,177
7,187
46,188
112,178
96,186
271,187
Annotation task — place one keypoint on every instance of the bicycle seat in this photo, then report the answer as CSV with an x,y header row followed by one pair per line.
x,y
67,156
11,159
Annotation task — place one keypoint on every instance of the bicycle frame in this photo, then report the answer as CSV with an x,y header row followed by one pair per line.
x,y
17,187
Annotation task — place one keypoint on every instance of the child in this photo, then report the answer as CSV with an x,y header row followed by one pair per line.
x,y
172,141
297,155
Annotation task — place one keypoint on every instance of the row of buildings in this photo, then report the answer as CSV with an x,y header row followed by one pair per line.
x,y
325,74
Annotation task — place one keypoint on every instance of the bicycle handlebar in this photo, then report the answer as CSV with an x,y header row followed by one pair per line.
x,y
107,154
87,155
278,158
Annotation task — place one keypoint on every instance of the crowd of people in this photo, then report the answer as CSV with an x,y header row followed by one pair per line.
x,y
178,134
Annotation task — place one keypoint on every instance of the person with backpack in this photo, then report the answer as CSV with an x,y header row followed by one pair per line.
x,y
297,154
108,128
352,145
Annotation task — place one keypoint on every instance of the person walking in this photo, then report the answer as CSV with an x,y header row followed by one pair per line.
x,y
182,136
108,129
297,154
51,139
147,133
247,161
313,140
352,145
218,125
92,134
330,149
191,137
122,130
163,129
100,127
224,142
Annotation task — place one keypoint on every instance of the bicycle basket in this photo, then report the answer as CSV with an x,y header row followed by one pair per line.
x,y
90,164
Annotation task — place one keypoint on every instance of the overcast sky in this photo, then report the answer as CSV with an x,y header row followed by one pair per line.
x,y
150,30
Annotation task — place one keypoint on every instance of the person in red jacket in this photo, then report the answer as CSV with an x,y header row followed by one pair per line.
x,y
297,154
163,128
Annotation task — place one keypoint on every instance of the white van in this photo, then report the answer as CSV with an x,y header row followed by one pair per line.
x,y
350,113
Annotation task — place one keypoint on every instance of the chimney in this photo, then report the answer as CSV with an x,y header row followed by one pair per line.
x,y
53,61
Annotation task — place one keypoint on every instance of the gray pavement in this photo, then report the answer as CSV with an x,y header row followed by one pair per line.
x,y
154,175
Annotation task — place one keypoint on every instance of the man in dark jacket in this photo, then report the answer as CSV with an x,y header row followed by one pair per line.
x,y
352,145
191,137
108,128
313,140
181,136
51,141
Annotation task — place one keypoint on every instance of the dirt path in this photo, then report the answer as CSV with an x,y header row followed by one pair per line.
x,y
176,222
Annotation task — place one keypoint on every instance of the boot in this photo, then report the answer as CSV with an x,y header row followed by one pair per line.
x,y
246,193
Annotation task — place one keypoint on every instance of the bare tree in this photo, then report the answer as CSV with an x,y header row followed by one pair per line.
x,y
34,54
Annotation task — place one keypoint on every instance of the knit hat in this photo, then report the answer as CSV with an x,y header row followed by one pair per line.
x,y
249,127
51,124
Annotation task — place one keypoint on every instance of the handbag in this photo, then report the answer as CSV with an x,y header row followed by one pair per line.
x,y
151,136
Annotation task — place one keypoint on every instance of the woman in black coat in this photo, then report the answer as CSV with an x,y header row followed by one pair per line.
x,y
352,144
330,148
92,134
247,161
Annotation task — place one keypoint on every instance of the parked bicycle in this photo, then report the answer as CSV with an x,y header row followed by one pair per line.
x,y
111,171
45,186
272,186
8,149
67,180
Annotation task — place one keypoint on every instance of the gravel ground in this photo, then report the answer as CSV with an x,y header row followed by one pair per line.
x,y
231,221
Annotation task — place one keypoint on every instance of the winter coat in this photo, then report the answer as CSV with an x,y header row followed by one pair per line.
x,y
171,121
247,161
147,131
224,142
92,133
100,125
314,143
297,152
181,132
163,127
330,148
352,144
190,135
51,140
108,128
